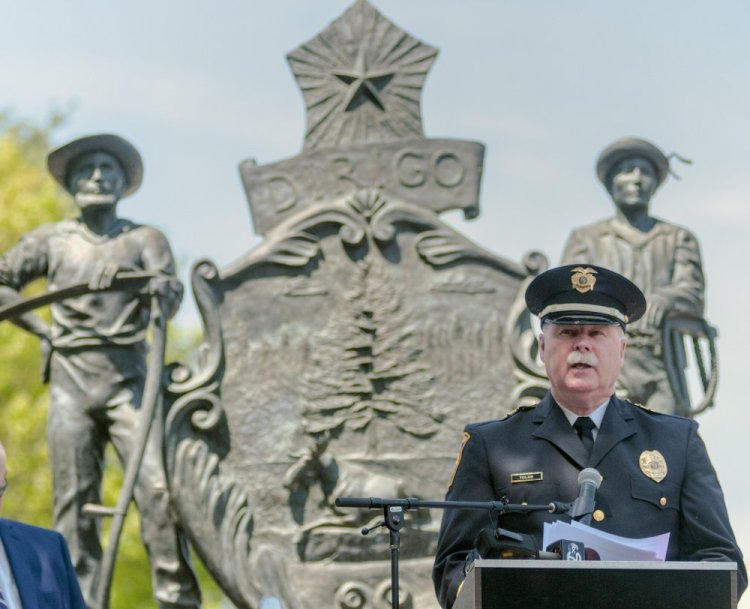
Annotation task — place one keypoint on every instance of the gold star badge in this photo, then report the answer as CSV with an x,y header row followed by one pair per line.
x,y
583,279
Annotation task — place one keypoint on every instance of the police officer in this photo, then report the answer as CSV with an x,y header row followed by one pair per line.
x,y
657,477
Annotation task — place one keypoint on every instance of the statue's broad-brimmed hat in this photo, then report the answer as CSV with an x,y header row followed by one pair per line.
x,y
58,161
631,147
584,294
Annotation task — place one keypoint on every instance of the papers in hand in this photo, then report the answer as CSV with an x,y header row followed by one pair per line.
x,y
609,547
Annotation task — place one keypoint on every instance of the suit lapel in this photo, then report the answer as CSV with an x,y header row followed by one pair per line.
x,y
555,428
616,426
23,564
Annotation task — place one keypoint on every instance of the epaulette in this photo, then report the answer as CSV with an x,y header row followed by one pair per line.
x,y
656,412
641,406
518,409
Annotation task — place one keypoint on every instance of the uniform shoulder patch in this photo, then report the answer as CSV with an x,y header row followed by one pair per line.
x,y
466,438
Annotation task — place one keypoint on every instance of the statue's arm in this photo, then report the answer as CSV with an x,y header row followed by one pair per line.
x,y
688,274
685,294
157,257
19,266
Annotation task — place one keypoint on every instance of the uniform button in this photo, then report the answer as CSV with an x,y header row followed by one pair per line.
x,y
663,501
598,515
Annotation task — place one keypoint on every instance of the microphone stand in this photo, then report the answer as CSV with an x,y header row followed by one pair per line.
x,y
393,520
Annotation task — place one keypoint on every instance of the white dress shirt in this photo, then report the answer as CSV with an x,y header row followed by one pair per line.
x,y
7,582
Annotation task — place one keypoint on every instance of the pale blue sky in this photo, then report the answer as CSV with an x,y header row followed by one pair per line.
x,y
545,84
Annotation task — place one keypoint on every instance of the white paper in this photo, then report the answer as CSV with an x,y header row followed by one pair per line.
x,y
608,546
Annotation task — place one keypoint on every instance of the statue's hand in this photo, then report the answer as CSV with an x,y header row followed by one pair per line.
x,y
169,291
104,274
166,286
658,306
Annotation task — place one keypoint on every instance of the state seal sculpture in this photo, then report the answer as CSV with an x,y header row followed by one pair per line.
x,y
343,355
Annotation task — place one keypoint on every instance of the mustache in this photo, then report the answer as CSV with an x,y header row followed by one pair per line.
x,y
582,357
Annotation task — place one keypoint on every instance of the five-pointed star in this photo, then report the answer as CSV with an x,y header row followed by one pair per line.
x,y
363,84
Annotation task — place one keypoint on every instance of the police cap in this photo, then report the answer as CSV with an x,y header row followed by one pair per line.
x,y
584,294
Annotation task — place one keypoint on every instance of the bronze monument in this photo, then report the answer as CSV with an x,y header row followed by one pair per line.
x,y
95,354
344,354
664,260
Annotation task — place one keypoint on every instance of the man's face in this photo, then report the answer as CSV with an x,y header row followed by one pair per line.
x,y
96,178
582,362
633,183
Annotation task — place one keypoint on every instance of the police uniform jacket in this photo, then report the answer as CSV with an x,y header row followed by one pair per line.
x,y
535,456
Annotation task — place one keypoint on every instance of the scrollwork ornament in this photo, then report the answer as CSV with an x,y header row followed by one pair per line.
x,y
382,596
218,502
181,381
295,242
354,595
203,407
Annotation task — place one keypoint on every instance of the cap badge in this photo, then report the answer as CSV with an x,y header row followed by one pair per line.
x,y
583,279
653,465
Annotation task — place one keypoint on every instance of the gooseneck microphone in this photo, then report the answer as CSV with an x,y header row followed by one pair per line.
x,y
588,481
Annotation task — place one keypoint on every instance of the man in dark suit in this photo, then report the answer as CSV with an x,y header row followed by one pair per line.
x,y
35,567
657,477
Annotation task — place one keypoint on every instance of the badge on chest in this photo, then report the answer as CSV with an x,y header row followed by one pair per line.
x,y
653,464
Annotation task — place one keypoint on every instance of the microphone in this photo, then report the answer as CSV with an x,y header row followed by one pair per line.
x,y
588,481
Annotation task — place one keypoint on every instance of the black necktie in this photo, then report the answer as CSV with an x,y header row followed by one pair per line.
x,y
584,427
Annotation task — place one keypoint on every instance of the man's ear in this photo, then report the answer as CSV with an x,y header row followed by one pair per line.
x,y
541,346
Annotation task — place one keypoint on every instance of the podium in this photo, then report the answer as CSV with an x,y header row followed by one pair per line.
x,y
561,584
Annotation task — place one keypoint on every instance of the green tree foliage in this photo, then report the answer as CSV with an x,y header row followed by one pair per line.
x,y
30,197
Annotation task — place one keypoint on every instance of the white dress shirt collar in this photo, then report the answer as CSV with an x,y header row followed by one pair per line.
x,y
596,416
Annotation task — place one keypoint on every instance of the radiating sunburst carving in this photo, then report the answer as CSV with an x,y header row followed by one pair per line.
x,y
361,79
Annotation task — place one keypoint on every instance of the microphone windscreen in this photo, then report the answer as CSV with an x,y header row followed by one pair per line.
x,y
590,475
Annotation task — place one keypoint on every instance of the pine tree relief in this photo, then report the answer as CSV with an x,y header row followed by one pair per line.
x,y
367,363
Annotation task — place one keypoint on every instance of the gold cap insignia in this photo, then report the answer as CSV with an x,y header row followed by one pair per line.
x,y
583,279
653,465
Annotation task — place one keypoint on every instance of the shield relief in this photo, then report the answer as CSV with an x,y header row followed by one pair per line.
x,y
344,354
